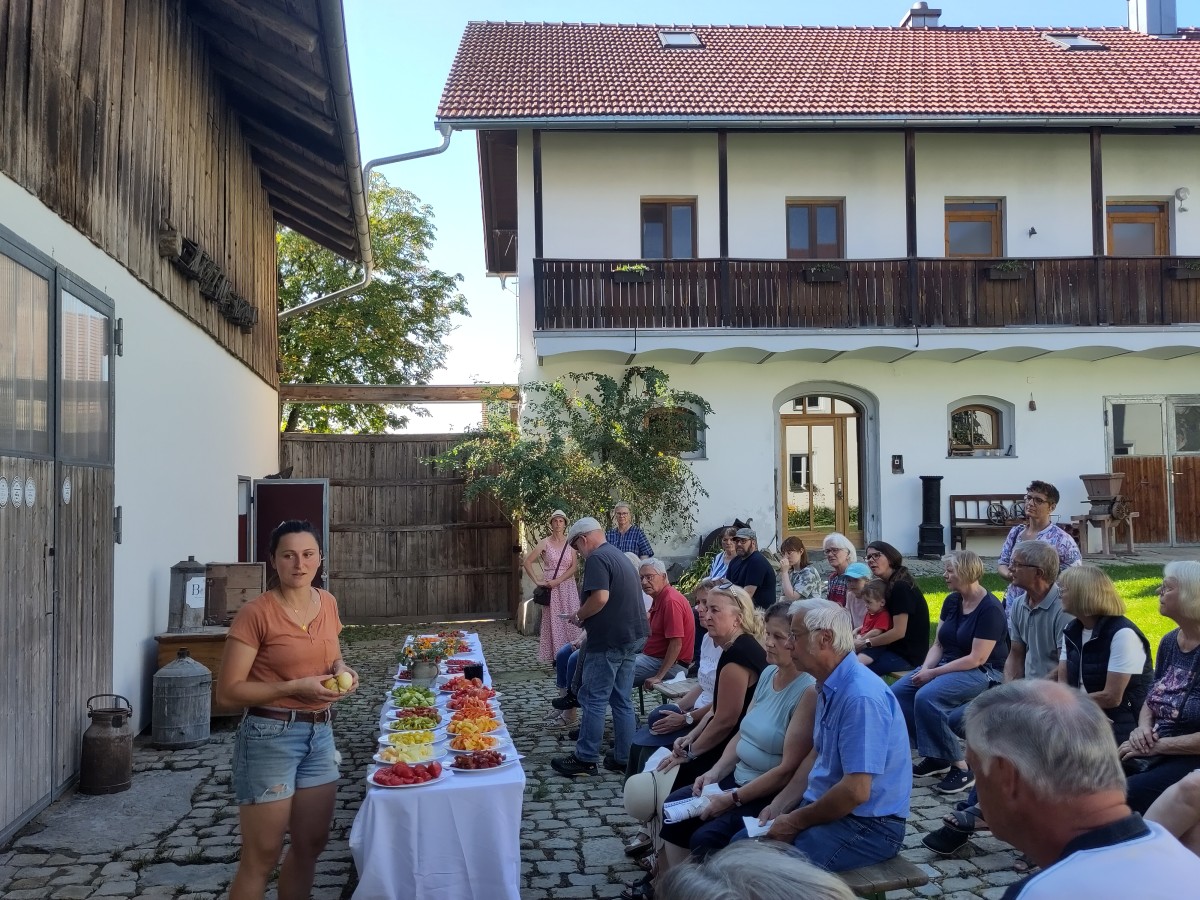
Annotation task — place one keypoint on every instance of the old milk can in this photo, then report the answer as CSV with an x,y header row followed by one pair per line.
x,y
182,703
106,764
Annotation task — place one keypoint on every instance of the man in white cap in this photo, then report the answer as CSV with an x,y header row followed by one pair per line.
x,y
614,618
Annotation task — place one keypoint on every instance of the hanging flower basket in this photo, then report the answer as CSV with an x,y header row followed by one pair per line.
x,y
824,274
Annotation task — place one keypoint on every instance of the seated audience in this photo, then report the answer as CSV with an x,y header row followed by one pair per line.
x,y
798,579
1165,745
966,658
857,577
854,788
903,647
774,738
751,571
751,870
1101,652
876,619
840,555
1050,783
1177,809
720,564
668,650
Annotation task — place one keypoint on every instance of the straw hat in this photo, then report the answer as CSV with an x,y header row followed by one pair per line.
x,y
646,792
558,514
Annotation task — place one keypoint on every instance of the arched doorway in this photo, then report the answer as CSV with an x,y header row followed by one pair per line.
x,y
821,469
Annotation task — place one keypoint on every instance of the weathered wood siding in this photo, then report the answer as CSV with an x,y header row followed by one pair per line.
x,y
111,115
404,545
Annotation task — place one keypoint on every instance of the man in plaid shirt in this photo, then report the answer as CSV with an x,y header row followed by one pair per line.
x,y
627,537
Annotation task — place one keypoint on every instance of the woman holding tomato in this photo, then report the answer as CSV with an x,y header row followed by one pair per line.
x,y
282,649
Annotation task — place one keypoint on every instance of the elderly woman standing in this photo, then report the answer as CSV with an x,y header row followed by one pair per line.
x,y
840,554
966,658
1101,652
1165,745
558,573
1041,499
905,646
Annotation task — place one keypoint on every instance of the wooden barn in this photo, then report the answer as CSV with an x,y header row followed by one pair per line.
x,y
147,150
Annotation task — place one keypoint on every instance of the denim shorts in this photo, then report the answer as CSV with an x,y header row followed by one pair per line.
x,y
273,759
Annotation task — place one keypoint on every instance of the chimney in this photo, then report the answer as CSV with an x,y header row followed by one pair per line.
x,y
1156,17
921,16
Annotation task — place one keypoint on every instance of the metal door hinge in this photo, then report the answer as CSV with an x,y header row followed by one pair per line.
x,y
117,522
119,337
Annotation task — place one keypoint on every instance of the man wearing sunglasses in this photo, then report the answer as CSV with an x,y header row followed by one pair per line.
x,y
750,570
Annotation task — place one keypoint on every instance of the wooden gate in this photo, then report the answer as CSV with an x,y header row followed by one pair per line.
x,y
404,545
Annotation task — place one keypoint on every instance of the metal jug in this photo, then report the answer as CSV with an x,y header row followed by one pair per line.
x,y
106,764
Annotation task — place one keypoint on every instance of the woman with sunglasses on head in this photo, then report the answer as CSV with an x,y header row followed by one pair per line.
x,y
281,653
1041,499
906,644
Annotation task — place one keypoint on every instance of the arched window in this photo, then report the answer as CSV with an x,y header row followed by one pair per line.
x,y
681,430
980,426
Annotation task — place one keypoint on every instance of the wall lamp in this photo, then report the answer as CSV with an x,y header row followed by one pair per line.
x,y
1032,231
1182,194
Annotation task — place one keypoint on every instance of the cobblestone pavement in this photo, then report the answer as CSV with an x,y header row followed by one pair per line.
x,y
175,833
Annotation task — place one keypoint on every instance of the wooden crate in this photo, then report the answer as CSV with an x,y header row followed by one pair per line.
x,y
206,647
228,587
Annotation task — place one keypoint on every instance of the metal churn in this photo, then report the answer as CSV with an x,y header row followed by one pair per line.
x,y
182,701
106,764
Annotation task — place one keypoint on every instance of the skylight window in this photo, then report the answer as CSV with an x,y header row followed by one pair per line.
x,y
1070,41
679,39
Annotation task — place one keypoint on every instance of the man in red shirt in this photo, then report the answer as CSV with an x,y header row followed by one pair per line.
x,y
672,639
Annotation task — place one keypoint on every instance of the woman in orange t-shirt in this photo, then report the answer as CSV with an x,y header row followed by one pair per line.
x,y
282,646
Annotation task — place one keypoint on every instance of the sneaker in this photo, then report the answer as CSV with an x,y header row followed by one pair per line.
x,y
611,763
957,780
572,766
930,766
946,841
573,734
566,701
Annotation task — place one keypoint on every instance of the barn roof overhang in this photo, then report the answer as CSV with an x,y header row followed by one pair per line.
x,y
284,68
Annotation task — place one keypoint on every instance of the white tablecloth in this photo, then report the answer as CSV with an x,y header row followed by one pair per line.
x,y
459,839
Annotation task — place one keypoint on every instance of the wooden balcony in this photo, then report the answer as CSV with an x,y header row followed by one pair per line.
x,y
866,293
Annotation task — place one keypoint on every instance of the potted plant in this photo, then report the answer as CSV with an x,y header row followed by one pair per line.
x,y
1184,270
421,656
1007,270
628,273
823,273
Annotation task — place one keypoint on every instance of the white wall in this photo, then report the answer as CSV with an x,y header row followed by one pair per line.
x,y
1136,168
190,418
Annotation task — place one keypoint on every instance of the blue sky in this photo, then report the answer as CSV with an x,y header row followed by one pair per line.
x,y
400,54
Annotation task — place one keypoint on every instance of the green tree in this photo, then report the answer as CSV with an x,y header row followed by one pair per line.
x,y
585,442
391,333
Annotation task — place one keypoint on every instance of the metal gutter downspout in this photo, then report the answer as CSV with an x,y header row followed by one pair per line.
x,y
334,34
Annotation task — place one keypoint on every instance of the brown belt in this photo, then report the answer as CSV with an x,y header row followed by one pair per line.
x,y
318,717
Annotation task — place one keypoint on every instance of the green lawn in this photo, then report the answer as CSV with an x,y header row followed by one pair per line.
x,y
1137,585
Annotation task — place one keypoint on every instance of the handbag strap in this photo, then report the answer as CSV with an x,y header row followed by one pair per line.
x,y
558,565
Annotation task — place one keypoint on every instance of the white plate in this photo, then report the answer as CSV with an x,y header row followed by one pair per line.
x,y
446,773
439,753
437,739
503,744
510,759
392,713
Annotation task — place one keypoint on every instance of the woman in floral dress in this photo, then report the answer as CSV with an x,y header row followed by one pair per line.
x,y
564,595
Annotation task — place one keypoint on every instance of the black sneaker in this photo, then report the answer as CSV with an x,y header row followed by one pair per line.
x,y
566,701
946,841
572,766
611,763
957,780
930,766
573,734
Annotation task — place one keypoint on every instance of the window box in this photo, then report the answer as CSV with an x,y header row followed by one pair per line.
x,y
631,276
824,274
1005,272
1183,273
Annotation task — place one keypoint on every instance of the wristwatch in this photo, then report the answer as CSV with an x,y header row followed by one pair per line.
x,y
737,801
688,718
867,642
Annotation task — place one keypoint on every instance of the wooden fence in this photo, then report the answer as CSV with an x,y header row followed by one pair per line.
x,y
404,544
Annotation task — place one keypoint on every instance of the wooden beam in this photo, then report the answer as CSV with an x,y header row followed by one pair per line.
x,y
336,244
241,46
318,218
258,116
242,82
290,171
396,393
723,192
268,16
282,144
537,194
285,183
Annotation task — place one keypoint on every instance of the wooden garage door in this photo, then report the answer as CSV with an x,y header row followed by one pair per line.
x,y
404,545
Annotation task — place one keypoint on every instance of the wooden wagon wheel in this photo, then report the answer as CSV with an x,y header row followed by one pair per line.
x,y
997,514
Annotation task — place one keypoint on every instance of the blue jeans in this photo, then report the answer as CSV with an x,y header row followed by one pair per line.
x,y
885,661
849,842
565,661
607,681
273,759
927,710
645,666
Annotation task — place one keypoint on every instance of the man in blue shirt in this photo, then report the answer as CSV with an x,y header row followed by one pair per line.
x,y
627,537
854,788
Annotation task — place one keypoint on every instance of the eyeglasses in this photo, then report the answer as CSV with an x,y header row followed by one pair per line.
x,y
647,577
1017,565
871,556
1036,501
833,551
723,586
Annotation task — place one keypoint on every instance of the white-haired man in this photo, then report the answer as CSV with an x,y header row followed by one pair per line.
x,y
854,788
1050,783
669,647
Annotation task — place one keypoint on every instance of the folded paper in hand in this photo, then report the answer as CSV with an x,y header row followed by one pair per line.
x,y
689,808
753,829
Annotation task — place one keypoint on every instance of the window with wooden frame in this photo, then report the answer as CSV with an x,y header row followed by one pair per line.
x,y
669,228
1137,228
815,229
680,430
25,376
975,427
974,228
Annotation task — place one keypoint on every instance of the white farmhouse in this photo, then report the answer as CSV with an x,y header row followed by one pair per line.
x,y
879,253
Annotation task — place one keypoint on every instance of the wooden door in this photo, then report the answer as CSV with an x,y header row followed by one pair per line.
x,y
1136,439
819,483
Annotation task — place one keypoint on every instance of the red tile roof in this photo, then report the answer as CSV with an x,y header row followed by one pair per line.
x,y
521,70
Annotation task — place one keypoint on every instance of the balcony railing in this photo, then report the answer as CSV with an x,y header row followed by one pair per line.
x,y
866,293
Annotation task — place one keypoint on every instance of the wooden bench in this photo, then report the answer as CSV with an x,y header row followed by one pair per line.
x,y
875,881
983,513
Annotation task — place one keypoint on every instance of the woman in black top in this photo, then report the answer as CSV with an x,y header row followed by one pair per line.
x,y
903,647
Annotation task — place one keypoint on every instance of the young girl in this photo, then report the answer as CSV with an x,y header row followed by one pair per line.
x,y
857,575
877,620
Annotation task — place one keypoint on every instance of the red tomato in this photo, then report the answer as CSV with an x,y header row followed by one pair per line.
x,y
436,768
